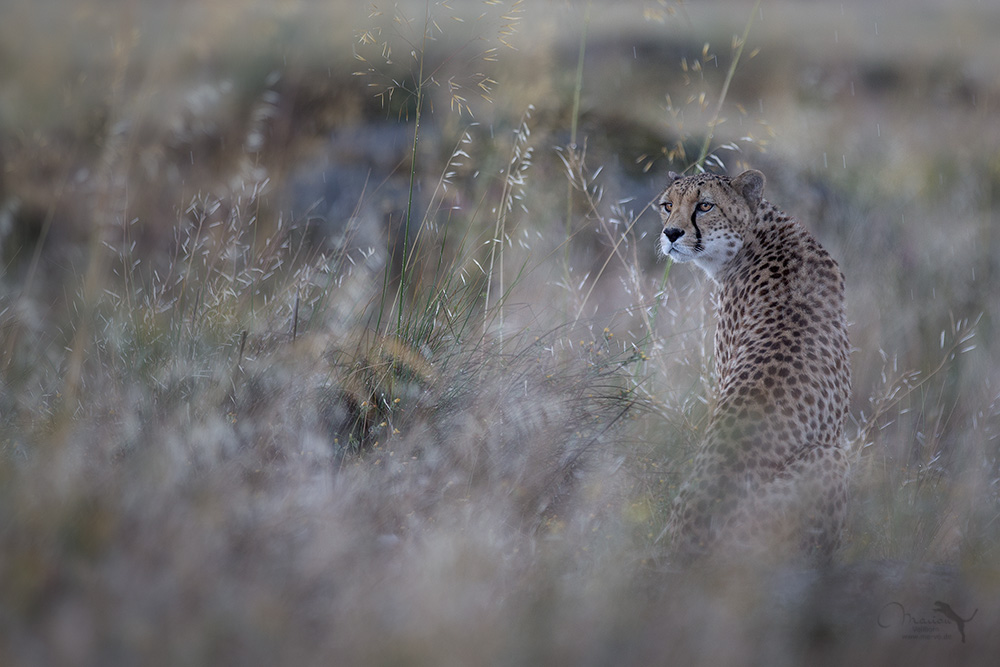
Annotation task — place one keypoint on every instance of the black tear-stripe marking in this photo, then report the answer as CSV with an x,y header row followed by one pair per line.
x,y
694,214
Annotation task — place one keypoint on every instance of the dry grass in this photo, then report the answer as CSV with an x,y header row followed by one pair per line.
x,y
289,375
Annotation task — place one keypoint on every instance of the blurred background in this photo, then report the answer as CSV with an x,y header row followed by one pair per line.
x,y
336,332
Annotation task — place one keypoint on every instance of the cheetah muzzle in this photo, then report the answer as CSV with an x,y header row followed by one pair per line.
x,y
771,474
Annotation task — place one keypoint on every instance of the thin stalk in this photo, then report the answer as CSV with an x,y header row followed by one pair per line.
x,y
514,166
499,231
404,272
574,121
574,125
385,282
725,87
404,277
656,304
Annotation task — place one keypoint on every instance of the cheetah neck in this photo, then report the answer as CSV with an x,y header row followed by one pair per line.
x,y
764,237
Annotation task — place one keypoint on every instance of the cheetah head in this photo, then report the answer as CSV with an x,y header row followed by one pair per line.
x,y
705,216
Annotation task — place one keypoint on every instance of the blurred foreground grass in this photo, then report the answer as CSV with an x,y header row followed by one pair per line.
x,y
277,388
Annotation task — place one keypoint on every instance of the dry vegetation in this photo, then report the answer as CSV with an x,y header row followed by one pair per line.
x,y
336,335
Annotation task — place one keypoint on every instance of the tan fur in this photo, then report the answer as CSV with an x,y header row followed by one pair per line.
x,y
771,474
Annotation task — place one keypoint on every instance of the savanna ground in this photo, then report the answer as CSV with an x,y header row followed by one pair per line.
x,y
336,334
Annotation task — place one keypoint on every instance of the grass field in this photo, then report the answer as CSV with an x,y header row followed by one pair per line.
x,y
335,333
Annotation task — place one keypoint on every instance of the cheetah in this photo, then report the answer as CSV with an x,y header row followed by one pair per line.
x,y
770,475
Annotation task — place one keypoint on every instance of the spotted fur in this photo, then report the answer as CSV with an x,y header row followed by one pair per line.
x,y
771,473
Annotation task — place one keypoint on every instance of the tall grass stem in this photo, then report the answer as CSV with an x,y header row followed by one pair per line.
x,y
706,144
404,274
574,128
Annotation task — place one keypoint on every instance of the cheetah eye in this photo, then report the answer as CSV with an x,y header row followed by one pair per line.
x,y
667,206
704,206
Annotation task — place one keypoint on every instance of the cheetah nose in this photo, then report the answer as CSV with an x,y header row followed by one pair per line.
x,y
672,233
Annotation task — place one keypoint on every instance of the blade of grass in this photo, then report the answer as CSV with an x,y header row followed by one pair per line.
x,y
404,276
706,144
574,126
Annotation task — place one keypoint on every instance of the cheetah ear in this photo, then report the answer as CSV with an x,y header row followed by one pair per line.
x,y
750,184
673,176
